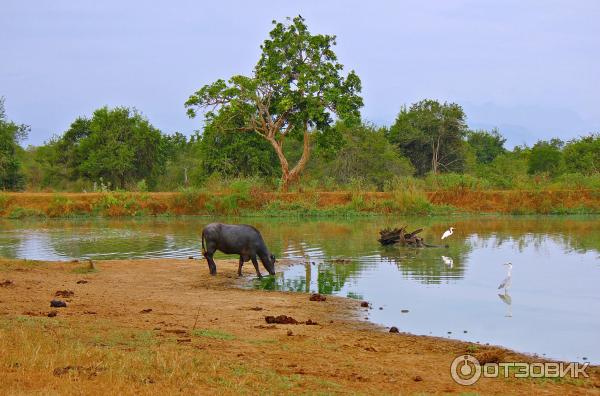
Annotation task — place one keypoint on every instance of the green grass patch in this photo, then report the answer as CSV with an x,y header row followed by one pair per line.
x,y
84,270
20,213
216,334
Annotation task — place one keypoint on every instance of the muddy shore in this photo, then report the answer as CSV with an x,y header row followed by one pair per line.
x,y
166,326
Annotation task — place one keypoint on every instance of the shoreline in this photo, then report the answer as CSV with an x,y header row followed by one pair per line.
x,y
165,325
308,203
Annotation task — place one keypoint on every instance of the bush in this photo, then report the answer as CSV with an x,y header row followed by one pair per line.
x,y
577,181
142,186
60,206
546,157
455,181
20,213
231,202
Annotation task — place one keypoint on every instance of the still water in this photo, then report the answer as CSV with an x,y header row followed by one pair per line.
x,y
552,307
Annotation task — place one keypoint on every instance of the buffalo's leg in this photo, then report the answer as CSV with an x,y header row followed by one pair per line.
x,y
208,254
240,267
255,263
212,266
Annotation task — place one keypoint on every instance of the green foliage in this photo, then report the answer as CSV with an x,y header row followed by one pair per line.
x,y
120,204
11,175
365,159
18,212
142,186
506,171
408,198
455,181
60,206
583,155
232,154
4,201
487,145
231,202
574,181
546,157
117,145
294,91
431,134
183,168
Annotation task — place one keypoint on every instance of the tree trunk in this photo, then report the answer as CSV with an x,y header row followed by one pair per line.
x,y
297,170
434,157
287,176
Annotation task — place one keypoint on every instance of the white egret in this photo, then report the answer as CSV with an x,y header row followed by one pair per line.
x,y
448,261
448,233
507,281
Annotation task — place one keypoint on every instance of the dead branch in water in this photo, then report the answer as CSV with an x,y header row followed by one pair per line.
x,y
391,236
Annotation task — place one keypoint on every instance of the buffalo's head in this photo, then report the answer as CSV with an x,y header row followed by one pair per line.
x,y
270,264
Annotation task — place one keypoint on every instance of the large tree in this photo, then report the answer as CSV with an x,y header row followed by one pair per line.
x,y
11,176
431,134
295,90
118,145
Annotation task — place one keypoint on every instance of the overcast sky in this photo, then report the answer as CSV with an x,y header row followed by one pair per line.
x,y
530,68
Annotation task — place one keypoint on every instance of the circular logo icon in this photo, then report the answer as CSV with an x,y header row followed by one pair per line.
x,y
465,370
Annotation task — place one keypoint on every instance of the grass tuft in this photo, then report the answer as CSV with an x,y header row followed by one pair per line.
x,y
216,334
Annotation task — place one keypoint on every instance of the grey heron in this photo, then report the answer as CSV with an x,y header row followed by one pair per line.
x,y
507,281
448,233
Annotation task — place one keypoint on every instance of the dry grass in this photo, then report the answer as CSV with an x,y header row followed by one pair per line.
x,y
18,205
167,327
101,357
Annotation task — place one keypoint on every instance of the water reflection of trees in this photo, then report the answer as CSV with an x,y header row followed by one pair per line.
x,y
319,241
9,244
105,238
330,278
426,265
356,238
575,233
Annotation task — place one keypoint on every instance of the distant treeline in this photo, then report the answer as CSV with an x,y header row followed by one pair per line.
x,y
118,149
293,123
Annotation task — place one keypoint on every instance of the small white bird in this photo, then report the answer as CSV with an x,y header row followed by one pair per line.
x,y
448,233
448,261
507,281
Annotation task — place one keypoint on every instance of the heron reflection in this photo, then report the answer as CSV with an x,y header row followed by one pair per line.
x,y
506,299
506,283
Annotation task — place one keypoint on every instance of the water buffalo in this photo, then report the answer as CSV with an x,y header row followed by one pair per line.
x,y
241,239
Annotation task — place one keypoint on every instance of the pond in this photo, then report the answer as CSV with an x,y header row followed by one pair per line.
x,y
552,307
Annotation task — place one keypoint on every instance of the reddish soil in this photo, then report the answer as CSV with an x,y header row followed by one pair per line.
x,y
334,352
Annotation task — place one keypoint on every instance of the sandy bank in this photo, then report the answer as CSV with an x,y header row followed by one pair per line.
x,y
166,326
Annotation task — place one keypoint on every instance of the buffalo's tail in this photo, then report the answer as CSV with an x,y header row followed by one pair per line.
x,y
203,249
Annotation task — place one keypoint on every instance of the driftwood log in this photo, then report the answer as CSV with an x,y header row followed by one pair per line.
x,y
391,236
